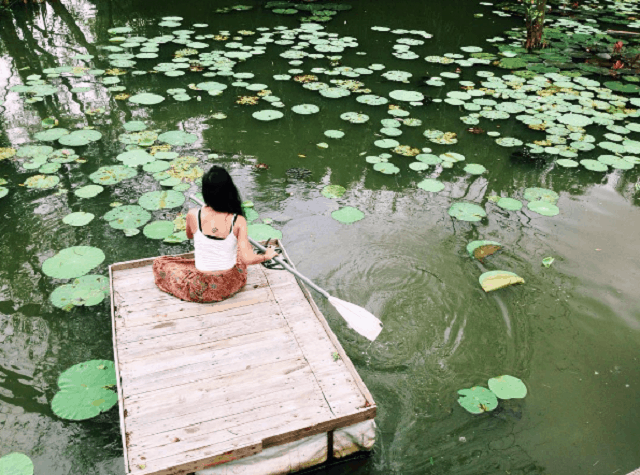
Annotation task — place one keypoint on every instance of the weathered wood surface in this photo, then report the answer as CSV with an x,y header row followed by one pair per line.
x,y
204,384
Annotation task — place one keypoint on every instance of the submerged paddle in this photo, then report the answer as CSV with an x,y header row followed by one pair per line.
x,y
362,321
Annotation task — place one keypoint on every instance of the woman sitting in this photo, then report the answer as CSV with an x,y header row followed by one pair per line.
x,y
222,247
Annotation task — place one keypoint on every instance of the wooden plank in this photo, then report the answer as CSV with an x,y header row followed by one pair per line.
x,y
248,383
140,349
215,429
145,428
189,309
197,353
231,361
153,330
320,317
118,379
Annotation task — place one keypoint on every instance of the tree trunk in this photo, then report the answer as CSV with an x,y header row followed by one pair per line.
x,y
535,24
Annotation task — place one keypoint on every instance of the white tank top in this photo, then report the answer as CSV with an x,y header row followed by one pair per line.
x,y
213,253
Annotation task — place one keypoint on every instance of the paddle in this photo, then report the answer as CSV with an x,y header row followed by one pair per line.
x,y
365,323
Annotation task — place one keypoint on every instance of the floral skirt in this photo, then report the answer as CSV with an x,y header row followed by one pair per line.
x,y
179,277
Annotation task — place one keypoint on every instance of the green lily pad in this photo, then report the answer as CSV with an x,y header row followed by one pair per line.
x,y
262,232
16,463
347,215
50,135
146,99
509,204
615,162
507,387
72,262
85,390
386,168
155,200
541,194
178,138
267,115
334,134
305,109
594,165
134,126
467,211
127,217
85,291
41,182
88,191
3,191
497,279
354,117
79,218
407,96
431,184
475,169
134,158
477,400
547,261
544,208
78,138
158,229
113,174
333,191
49,168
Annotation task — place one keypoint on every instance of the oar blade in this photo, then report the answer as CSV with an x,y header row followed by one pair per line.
x,y
362,321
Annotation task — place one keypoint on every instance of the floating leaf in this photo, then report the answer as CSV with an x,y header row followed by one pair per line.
x,y
482,249
547,261
85,390
127,217
86,291
16,463
498,279
333,191
158,229
305,109
113,174
79,218
347,215
541,194
334,134
73,262
432,185
507,387
467,212
477,400
475,169
88,191
41,182
155,200
262,232
78,138
267,115
146,99
544,208
177,138
509,204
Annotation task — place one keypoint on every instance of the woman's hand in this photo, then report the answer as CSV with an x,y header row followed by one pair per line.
x,y
270,253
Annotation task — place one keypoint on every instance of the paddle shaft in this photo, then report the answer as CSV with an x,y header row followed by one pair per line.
x,y
279,261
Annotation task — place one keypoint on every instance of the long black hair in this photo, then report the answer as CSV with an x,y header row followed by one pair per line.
x,y
220,193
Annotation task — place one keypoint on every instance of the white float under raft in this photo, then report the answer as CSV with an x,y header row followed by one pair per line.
x,y
255,384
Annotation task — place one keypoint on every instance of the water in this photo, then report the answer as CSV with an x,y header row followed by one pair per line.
x,y
571,332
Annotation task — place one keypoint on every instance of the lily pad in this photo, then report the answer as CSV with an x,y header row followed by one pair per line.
x,y
305,109
146,99
158,229
594,165
467,211
432,185
509,204
88,191
78,138
482,249
334,134
347,215
475,169
541,194
547,261
544,208
407,96
333,191
85,291
267,115
113,174
178,138
50,135
42,182
73,262
354,117
85,390
127,217
477,400
262,232
79,218
497,279
507,387
16,463
155,200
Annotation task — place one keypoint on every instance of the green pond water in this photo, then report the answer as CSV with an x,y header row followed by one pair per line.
x,y
571,332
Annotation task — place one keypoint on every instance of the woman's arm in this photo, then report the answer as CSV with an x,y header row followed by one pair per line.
x,y
245,249
192,222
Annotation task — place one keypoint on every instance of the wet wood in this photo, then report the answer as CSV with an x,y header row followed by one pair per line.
x,y
204,384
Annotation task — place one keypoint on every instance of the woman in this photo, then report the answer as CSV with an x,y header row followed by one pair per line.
x,y
222,247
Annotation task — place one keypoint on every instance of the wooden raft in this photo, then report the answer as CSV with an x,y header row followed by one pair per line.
x,y
203,384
